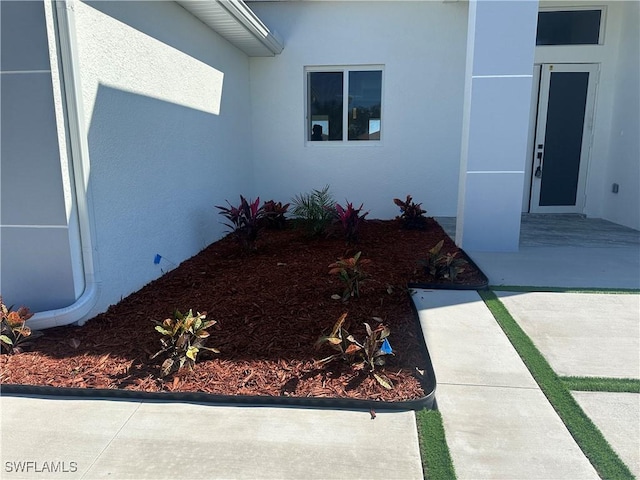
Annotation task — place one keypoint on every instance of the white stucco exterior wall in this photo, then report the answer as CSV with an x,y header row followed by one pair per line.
x,y
624,143
495,124
421,46
38,222
167,120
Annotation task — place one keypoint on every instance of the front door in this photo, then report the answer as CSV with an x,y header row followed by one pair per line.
x,y
562,137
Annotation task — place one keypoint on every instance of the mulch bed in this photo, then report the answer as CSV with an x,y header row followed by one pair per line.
x,y
271,306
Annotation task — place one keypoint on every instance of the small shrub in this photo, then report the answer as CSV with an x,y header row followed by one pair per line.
x,y
350,219
183,336
274,214
411,214
441,266
315,210
366,355
244,221
350,271
14,333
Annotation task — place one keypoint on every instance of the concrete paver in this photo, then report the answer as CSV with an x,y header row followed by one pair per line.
x,y
259,442
144,440
617,416
497,425
508,433
466,343
581,334
64,434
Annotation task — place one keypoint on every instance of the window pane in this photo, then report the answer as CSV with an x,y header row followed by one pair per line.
x,y
325,105
365,93
574,27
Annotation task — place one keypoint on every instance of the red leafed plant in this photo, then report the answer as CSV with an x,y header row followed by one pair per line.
x,y
350,219
244,220
411,214
274,214
14,333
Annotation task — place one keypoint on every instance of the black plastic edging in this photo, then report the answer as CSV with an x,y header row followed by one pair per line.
x,y
482,285
427,401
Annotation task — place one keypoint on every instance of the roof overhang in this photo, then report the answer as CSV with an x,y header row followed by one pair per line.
x,y
237,23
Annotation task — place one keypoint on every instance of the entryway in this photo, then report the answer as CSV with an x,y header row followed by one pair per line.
x,y
560,138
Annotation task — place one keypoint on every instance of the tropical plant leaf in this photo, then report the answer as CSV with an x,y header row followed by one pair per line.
x,y
183,337
353,348
383,380
192,353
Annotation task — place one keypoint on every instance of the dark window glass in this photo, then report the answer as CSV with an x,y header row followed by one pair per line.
x,y
563,137
365,93
325,105
571,27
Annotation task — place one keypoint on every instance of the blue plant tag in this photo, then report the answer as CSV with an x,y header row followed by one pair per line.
x,y
386,347
157,258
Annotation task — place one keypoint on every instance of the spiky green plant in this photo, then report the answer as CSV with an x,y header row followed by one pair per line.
x,y
315,211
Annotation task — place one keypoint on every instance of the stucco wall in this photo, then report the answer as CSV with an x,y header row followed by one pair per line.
x,y
36,215
422,47
624,147
167,117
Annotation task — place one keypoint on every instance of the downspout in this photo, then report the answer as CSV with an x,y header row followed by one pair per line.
x,y
79,167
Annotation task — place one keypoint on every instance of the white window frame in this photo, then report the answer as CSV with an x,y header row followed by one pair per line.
x,y
345,69
603,21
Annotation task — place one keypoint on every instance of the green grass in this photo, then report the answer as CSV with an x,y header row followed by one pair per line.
x,y
600,384
436,460
586,434
516,288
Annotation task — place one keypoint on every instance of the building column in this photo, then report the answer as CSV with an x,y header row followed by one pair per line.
x,y
500,56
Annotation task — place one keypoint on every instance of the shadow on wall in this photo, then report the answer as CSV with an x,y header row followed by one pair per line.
x,y
170,24
157,170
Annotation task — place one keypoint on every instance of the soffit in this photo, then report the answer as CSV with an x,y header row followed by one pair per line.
x,y
235,21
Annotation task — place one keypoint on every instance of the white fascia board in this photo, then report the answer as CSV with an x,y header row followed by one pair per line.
x,y
236,22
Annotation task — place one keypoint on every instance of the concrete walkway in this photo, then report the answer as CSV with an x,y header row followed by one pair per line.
x,y
95,439
590,335
498,422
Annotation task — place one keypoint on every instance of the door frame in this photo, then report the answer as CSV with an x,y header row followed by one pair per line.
x,y
539,104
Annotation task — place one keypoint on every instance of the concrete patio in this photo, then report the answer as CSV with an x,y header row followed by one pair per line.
x,y
564,251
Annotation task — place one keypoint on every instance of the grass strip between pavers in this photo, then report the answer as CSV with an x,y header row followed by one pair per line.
x,y
436,459
529,289
602,384
593,444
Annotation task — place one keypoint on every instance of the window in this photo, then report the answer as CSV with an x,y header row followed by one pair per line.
x,y
330,118
569,27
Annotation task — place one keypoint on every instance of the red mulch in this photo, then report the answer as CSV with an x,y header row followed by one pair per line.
x,y
271,307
